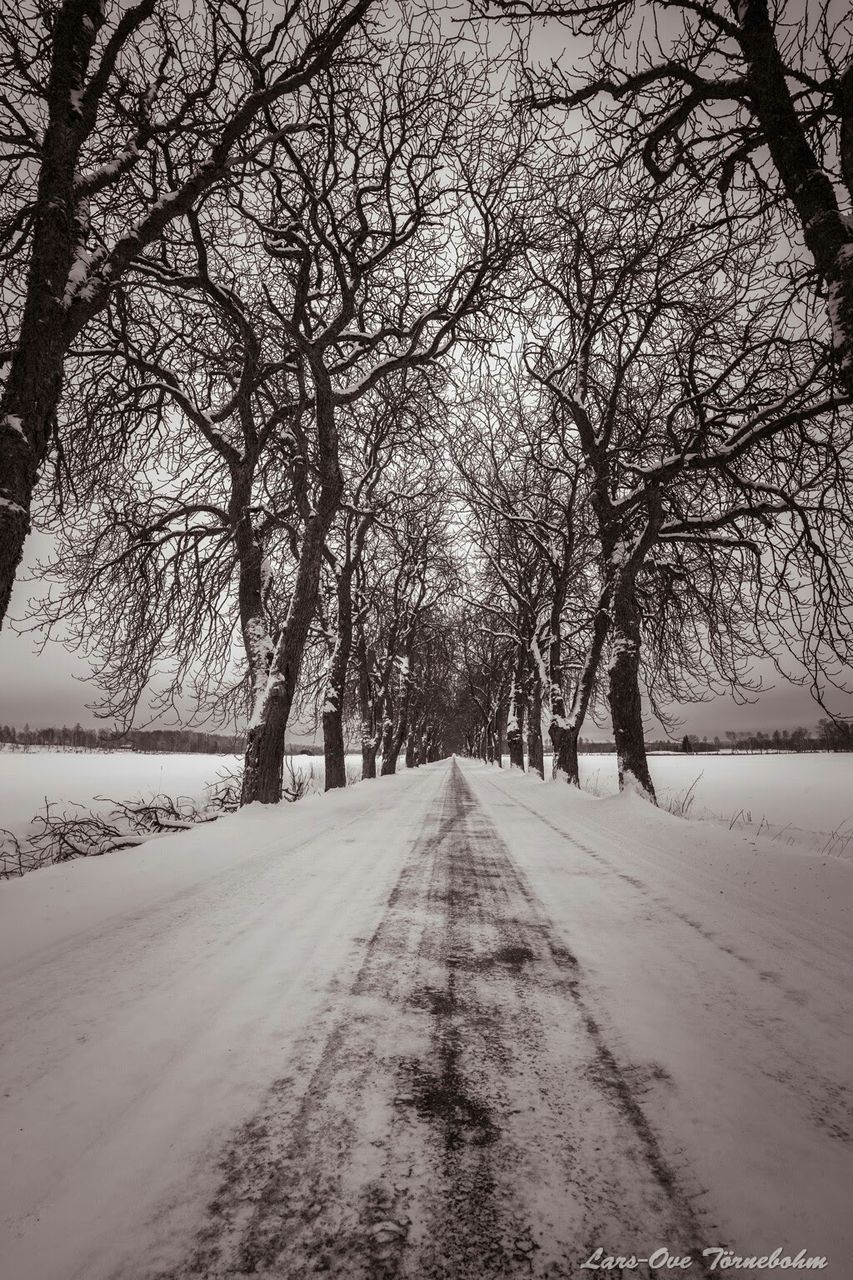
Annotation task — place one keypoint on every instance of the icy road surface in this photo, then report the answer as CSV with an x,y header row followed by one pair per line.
x,y
452,1024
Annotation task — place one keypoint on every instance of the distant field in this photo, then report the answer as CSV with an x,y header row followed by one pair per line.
x,y
810,792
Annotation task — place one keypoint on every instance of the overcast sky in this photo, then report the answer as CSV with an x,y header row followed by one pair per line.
x,y
51,689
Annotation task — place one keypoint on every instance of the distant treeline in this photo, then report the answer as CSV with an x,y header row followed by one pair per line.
x,y
105,739
829,735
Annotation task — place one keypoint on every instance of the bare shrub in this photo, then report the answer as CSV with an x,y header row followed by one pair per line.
x,y
78,832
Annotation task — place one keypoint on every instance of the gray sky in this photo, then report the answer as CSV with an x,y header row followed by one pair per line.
x,y
50,688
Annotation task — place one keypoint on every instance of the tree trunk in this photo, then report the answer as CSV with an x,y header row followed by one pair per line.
x,y
564,739
31,396
565,730
387,721
535,745
264,758
368,758
515,719
333,707
807,186
499,738
626,708
366,707
334,752
264,765
394,737
390,757
562,732
489,740
262,775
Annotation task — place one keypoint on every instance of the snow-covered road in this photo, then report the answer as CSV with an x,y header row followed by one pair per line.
x,y
456,1023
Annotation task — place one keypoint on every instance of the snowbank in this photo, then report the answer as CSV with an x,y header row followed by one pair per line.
x,y
807,793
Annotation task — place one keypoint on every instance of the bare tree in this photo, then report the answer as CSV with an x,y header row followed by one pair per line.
x,y
385,425
524,487
485,660
685,387
738,92
410,570
362,256
118,128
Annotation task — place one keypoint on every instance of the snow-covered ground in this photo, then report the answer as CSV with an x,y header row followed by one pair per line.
x,y
810,792
621,1030
93,778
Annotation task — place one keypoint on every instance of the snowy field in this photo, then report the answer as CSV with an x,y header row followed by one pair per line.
x,y
92,778
796,795
808,793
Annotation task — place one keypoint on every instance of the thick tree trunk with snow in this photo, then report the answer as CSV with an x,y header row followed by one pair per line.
x,y
262,775
264,762
26,415
366,707
499,730
562,731
490,739
564,739
421,744
387,723
535,745
515,738
515,718
368,758
390,758
334,751
333,708
626,708
395,730
565,736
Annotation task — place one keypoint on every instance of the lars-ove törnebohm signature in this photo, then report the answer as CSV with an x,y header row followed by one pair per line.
x,y
717,1258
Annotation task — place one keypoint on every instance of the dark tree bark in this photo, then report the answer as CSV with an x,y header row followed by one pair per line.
x,y
367,708
515,721
499,730
396,727
535,745
265,739
625,703
333,708
563,734
262,776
